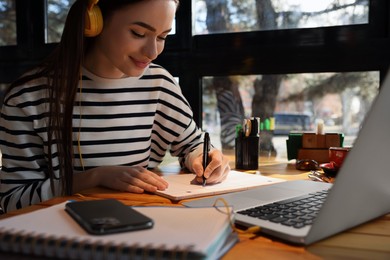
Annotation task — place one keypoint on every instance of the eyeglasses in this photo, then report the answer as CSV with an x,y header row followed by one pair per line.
x,y
320,176
307,165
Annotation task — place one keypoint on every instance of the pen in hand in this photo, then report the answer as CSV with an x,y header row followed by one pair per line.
x,y
206,150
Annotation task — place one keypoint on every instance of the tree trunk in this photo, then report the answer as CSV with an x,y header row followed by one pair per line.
x,y
263,106
266,87
229,101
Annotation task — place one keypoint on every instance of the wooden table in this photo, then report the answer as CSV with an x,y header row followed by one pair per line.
x,y
368,241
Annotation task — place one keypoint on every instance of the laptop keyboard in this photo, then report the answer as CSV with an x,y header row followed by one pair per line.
x,y
296,212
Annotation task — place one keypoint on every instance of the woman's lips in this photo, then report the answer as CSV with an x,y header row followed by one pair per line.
x,y
140,64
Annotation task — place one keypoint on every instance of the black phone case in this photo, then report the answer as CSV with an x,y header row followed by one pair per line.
x,y
107,216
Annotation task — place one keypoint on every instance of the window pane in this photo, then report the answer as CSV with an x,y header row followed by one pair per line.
x,y
7,22
296,101
57,10
216,16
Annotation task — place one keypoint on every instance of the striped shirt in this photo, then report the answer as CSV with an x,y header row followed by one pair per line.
x,y
130,121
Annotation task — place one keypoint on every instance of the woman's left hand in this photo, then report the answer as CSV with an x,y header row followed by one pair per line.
x,y
216,171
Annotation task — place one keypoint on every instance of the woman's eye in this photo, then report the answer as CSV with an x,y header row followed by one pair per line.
x,y
137,34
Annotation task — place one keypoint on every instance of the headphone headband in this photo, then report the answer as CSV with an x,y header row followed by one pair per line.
x,y
91,4
93,19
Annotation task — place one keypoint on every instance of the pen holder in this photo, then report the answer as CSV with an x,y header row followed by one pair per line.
x,y
247,152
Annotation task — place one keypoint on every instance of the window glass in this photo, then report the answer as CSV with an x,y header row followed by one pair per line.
x,y
7,22
216,16
292,102
57,10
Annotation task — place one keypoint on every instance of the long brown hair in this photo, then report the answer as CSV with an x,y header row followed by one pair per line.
x,y
63,71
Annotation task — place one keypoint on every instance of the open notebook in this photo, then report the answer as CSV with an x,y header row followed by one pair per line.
x,y
181,186
178,233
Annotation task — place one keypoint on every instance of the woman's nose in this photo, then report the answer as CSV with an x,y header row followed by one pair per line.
x,y
150,49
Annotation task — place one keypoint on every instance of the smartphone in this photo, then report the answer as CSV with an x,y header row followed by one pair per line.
x,y
99,217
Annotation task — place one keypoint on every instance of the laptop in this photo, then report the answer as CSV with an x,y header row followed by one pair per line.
x,y
360,193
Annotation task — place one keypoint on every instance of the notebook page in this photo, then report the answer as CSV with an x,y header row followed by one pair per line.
x,y
181,185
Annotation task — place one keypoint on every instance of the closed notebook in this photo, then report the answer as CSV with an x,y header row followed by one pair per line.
x,y
178,233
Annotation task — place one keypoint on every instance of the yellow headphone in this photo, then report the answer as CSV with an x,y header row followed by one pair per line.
x,y
93,19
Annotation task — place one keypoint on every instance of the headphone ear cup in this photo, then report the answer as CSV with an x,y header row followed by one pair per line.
x,y
93,22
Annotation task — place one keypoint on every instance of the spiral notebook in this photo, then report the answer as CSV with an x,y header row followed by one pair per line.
x,y
178,233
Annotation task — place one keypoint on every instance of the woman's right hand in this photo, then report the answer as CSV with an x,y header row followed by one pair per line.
x,y
135,179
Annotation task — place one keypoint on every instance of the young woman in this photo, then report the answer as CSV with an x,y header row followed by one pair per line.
x,y
98,112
